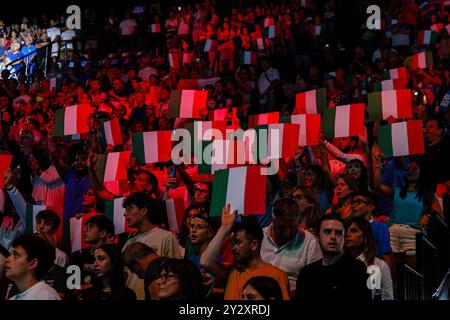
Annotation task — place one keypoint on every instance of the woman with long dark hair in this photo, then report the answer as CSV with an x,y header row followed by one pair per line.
x,y
309,205
345,189
109,281
262,288
409,207
360,243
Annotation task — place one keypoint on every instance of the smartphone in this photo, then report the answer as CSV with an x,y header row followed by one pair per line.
x,y
173,171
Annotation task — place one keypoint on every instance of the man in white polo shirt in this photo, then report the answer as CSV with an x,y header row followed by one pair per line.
x,y
285,245
31,259
54,33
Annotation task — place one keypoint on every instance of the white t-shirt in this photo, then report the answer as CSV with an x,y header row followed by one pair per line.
x,y
40,291
52,33
127,27
67,36
293,256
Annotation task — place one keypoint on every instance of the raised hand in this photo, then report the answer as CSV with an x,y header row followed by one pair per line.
x,y
228,218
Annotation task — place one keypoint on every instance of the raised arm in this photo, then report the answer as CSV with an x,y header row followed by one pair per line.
x,y
16,197
209,257
377,160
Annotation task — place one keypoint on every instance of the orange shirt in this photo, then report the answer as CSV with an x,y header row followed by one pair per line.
x,y
237,280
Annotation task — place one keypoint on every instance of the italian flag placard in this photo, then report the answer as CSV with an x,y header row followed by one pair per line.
x,y
396,73
249,57
196,84
401,138
344,121
395,103
31,212
155,27
206,130
152,147
76,232
72,120
268,22
186,58
310,126
115,212
262,119
112,166
316,30
174,60
118,187
56,83
175,210
280,140
224,154
269,32
310,102
244,188
394,84
420,60
427,37
223,114
111,132
208,45
187,103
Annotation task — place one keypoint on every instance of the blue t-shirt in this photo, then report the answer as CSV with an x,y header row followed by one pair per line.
x,y
394,177
29,50
13,57
406,211
73,197
324,200
381,234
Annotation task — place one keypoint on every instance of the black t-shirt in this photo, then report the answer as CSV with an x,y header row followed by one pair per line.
x,y
85,260
344,280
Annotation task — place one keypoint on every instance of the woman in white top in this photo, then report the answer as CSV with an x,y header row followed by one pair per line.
x,y
361,244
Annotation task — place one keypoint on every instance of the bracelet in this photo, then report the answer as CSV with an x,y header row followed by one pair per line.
x,y
379,165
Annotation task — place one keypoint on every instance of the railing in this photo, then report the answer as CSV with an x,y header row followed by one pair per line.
x,y
410,284
442,292
428,265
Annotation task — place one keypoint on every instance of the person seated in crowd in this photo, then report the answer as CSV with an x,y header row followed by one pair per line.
x,y
109,282
180,280
363,205
360,243
98,231
30,260
144,262
308,203
262,288
142,213
247,237
337,276
48,221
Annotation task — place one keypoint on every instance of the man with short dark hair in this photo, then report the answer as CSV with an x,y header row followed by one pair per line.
x,y
363,205
98,230
247,237
287,246
336,276
30,260
144,262
142,213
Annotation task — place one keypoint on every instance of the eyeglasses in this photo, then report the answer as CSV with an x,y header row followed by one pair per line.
x,y
358,202
201,190
165,276
298,197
